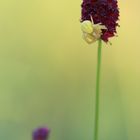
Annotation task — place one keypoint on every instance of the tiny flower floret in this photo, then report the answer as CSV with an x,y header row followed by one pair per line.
x,y
91,32
41,133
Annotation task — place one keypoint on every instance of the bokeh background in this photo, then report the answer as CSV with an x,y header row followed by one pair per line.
x,y
47,73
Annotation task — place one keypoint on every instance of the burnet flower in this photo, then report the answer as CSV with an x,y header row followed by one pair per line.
x,y
101,16
98,22
41,133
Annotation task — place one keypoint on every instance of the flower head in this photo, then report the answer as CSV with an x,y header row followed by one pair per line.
x,y
104,12
41,133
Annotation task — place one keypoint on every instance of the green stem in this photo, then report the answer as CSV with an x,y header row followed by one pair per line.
x,y
97,90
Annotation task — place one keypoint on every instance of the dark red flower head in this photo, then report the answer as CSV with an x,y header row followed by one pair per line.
x,y
105,12
41,133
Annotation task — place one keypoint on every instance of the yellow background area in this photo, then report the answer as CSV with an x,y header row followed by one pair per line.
x,y
47,73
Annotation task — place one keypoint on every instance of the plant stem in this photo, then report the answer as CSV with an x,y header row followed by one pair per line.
x,y
97,91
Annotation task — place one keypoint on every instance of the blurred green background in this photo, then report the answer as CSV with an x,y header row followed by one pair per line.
x,y
47,73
